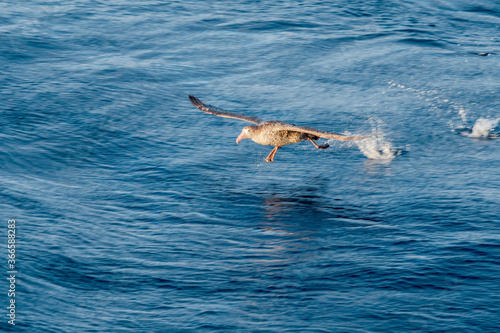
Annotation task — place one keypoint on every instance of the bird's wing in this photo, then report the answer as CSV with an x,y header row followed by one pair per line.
x,y
221,113
321,134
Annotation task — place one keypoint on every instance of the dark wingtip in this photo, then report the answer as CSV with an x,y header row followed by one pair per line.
x,y
196,102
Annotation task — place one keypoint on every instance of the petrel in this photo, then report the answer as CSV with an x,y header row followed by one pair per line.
x,y
273,132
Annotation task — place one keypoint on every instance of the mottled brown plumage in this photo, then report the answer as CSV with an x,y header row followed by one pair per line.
x,y
274,133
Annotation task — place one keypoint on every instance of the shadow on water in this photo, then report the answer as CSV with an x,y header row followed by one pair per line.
x,y
289,201
277,205
307,207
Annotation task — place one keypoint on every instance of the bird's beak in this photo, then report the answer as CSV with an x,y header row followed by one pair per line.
x,y
241,137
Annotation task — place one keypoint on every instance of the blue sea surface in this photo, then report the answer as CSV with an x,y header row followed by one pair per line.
x,y
136,212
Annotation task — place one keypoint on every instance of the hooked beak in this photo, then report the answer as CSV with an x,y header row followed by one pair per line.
x,y
241,137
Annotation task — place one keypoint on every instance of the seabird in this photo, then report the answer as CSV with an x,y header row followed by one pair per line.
x,y
273,133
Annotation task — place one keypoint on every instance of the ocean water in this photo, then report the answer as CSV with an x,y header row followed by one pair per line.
x,y
136,212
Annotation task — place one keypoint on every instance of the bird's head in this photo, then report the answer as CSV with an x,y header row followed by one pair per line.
x,y
246,133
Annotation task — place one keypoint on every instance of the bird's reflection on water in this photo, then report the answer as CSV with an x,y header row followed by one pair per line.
x,y
305,209
278,206
315,205
285,200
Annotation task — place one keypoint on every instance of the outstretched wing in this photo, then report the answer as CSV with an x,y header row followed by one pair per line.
x,y
221,113
321,134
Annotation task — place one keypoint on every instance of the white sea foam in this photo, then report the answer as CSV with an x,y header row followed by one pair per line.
x,y
483,127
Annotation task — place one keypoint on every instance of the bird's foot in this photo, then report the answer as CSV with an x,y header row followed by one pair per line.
x,y
271,155
317,146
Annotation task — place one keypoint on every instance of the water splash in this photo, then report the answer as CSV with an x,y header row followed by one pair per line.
x,y
438,103
377,148
483,128
462,112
